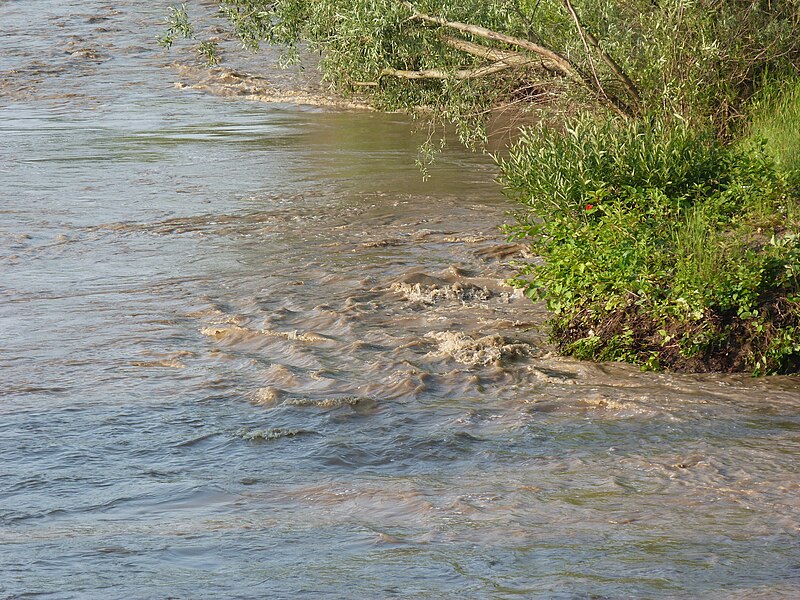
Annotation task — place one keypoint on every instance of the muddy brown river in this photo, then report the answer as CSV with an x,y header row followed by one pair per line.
x,y
246,352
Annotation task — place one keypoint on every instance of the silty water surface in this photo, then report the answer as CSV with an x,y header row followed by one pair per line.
x,y
245,352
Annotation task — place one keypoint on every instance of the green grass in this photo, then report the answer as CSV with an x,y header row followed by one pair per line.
x,y
776,120
696,249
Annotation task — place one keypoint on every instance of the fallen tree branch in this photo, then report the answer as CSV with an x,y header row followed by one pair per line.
x,y
515,59
475,73
552,60
501,60
558,62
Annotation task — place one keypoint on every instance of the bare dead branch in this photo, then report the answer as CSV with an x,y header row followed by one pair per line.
x,y
551,60
558,62
626,81
515,59
475,73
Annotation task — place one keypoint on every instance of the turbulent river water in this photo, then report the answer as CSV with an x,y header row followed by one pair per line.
x,y
245,352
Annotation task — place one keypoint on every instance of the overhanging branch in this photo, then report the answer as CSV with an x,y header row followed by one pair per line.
x,y
475,73
550,59
620,74
501,60
515,59
557,61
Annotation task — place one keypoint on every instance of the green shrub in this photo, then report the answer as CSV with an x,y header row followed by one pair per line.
x,y
660,245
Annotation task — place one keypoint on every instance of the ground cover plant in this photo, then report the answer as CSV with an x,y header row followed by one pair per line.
x,y
660,245
660,185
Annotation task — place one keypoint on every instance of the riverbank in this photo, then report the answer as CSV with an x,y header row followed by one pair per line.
x,y
665,229
700,283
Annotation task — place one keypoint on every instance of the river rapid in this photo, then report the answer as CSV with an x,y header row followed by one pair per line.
x,y
246,352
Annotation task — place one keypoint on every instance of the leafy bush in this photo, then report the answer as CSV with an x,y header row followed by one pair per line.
x,y
660,245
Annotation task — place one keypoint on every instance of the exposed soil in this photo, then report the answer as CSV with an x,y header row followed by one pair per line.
x,y
726,342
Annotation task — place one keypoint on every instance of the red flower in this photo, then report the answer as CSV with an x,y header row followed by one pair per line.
x,y
589,206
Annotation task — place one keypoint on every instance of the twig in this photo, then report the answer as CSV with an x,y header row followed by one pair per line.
x,y
475,73
607,58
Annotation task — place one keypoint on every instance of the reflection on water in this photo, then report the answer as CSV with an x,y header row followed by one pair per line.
x,y
246,351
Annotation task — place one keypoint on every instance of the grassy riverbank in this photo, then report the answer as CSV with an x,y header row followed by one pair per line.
x,y
663,246
662,196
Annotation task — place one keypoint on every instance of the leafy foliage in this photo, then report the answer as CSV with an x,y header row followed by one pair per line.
x,y
701,60
179,25
660,245
776,119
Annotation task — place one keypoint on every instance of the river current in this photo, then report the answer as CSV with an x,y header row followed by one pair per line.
x,y
246,352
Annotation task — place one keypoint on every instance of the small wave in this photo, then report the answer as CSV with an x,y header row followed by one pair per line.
x,y
432,294
309,336
167,361
268,396
473,351
351,401
547,375
504,251
237,331
263,435
227,332
197,440
382,243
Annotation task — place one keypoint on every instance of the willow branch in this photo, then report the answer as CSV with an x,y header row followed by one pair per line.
x,y
514,59
501,60
558,61
475,73
626,81
582,34
552,60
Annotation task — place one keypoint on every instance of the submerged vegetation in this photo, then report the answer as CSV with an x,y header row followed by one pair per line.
x,y
661,184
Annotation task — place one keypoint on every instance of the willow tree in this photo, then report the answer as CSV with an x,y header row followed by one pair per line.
x,y
698,59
